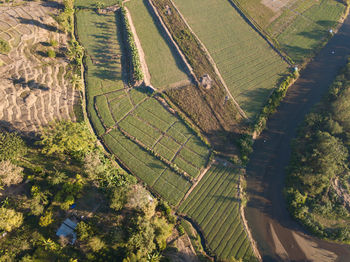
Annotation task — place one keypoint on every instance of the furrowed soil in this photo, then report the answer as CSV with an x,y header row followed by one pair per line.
x,y
279,237
34,89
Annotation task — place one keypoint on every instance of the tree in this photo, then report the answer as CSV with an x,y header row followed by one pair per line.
x,y
11,146
66,137
10,219
10,174
96,244
4,47
141,200
46,219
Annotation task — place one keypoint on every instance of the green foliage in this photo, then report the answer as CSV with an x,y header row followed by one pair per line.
x,y
69,138
320,157
51,53
84,230
96,244
10,219
46,219
133,54
11,146
4,47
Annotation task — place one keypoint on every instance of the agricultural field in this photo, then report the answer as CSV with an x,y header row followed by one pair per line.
x,y
100,36
300,27
248,65
146,137
94,3
214,206
35,89
165,66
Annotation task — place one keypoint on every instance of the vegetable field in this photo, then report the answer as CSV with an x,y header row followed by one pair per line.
x,y
164,65
299,26
146,137
214,206
249,66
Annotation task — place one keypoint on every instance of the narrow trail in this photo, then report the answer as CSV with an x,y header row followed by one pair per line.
x,y
278,236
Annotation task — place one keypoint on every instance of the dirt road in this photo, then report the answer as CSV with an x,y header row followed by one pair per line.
x,y
279,237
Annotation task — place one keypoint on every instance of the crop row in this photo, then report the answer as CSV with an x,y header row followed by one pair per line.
x,y
214,207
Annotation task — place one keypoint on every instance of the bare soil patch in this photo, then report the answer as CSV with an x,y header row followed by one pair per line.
x,y
34,88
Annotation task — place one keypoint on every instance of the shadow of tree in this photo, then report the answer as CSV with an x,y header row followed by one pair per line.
x,y
38,24
32,84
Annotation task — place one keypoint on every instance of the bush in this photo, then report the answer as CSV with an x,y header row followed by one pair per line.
x,y
51,53
11,146
10,219
46,219
4,47
10,174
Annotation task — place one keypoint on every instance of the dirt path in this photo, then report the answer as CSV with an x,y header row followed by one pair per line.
x,y
146,74
211,60
278,236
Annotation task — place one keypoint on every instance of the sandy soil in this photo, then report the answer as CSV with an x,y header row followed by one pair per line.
x,y
33,89
279,237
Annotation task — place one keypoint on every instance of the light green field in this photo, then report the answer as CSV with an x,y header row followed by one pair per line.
x,y
307,32
214,206
99,34
300,26
171,186
92,3
164,65
247,63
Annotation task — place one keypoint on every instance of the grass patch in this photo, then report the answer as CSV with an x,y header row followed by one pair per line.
x,y
214,206
164,65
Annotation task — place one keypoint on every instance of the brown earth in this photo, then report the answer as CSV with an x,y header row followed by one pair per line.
x,y
279,237
34,89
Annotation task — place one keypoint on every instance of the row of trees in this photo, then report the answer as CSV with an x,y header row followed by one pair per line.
x,y
321,157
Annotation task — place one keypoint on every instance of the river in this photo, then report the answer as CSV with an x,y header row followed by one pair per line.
x,y
278,236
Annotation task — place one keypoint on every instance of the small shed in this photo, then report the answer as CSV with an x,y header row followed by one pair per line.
x,y
67,230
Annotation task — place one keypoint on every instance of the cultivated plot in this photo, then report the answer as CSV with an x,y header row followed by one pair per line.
x,y
214,206
249,66
300,26
165,66
100,36
35,89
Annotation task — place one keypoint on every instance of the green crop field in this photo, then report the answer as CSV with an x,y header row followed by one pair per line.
x,y
92,3
214,206
164,65
249,66
99,34
299,26
157,129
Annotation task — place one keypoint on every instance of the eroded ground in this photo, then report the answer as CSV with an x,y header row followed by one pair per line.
x,y
34,89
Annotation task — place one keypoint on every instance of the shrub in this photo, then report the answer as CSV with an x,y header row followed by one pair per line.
x,y
96,244
4,47
10,219
10,174
51,53
46,219
11,146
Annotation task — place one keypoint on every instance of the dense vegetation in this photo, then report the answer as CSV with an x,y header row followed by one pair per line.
x,y
318,184
65,175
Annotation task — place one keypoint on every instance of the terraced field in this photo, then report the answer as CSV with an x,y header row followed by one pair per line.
x,y
34,89
145,135
248,65
214,206
300,26
165,66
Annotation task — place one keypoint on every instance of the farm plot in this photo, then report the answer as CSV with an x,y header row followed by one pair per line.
x,y
149,169
165,66
300,26
249,66
159,130
214,206
100,36
35,89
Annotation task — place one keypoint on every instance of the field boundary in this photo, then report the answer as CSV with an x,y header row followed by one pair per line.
x,y
211,61
251,22
144,66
